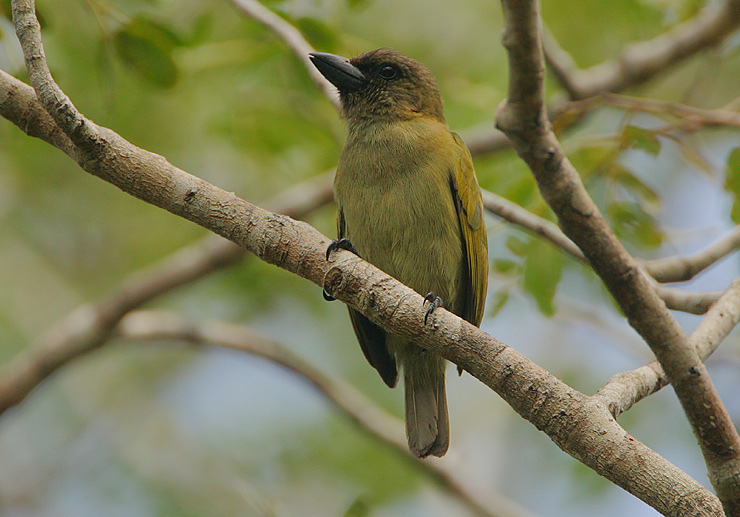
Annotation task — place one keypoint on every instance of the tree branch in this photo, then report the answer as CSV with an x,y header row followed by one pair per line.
x,y
690,302
18,103
89,325
692,117
371,419
669,269
682,268
478,142
626,389
293,38
640,62
520,216
580,425
560,64
523,119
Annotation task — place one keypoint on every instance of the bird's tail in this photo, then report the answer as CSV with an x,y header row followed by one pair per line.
x,y
427,425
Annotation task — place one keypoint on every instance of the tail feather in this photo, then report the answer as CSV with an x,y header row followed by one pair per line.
x,y
427,424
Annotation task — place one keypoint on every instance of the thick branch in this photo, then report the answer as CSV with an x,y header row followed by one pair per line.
x,y
522,117
299,248
371,419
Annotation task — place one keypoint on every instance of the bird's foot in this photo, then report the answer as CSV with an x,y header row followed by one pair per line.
x,y
338,244
434,302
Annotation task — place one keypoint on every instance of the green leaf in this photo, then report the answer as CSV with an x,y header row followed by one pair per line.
x,y
318,33
498,302
359,508
565,120
632,223
156,32
641,138
504,266
358,4
521,190
202,29
543,269
732,182
516,245
635,185
593,159
148,57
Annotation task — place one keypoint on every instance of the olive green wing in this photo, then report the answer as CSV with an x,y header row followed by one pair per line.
x,y
466,193
372,338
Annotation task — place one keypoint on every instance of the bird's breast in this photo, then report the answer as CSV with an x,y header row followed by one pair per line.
x,y
399,212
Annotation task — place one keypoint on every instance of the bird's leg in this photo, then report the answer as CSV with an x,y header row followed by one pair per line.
x,y
338,244
434,302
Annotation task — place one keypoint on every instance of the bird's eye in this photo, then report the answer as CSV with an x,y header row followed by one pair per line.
x,y
388,72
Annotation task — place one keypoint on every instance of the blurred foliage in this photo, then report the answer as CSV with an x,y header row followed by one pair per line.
x,y
163,430
732,182
147,47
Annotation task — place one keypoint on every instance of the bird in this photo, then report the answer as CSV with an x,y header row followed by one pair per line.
x,y
408,202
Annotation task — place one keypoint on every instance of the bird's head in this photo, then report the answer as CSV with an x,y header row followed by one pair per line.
x,y
381,85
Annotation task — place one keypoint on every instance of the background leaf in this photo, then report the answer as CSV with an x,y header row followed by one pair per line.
x,y
543,268
146,47
732,182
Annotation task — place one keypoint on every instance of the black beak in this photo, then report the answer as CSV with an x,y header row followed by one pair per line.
x,y
338,70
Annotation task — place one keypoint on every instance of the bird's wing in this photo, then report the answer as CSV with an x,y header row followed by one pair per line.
x,y
469,206
372,338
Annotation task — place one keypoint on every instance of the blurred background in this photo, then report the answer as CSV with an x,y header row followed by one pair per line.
x,y
160,428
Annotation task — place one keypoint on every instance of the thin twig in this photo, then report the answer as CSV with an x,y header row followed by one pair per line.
x,y
560,64
669,269
636,65
89,325
293,38
685,301
691,117
682,268
520,216
628,388
640,62
369,418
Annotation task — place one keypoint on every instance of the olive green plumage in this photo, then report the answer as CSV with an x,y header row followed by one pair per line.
x,y
409,203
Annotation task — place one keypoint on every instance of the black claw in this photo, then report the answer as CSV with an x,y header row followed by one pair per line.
x,y
434,302
340,244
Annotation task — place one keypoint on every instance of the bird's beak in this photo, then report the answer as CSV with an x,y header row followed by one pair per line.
x,y
338,70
